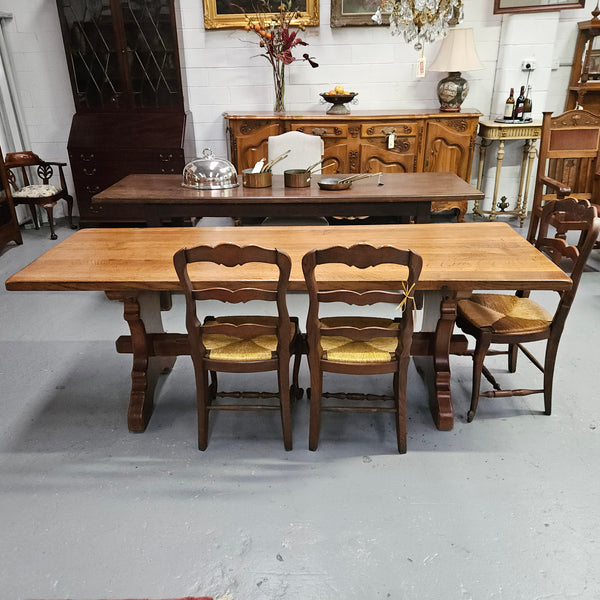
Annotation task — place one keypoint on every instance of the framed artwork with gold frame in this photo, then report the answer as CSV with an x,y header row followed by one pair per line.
x,y
525,6
346,13
229,14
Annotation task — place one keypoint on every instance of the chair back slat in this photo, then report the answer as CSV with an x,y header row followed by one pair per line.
x,y
360,298
360,334
244,330
235,296
561,217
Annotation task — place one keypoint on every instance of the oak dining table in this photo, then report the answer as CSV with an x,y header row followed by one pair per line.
x,y
402,195
135,266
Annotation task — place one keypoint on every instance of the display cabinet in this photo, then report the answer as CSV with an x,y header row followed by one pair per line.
x,y
123,63
368,141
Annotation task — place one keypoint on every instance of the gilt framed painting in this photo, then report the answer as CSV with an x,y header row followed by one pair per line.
x,y
229,14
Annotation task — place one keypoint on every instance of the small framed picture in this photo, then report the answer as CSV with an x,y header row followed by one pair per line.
x,y
345,13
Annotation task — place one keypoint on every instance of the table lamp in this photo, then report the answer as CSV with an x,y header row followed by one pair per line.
x,y
457,53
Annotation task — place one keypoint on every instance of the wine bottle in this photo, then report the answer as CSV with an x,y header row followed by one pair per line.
x,y
519,104
527,107
509,107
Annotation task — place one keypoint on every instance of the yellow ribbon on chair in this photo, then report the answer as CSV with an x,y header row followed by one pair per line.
x,y
407,296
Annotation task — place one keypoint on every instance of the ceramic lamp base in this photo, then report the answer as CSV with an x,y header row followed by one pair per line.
x,y
452,91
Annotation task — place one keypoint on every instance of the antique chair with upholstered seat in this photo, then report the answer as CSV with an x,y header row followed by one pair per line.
x,y
44,194
516,320
360,345
568,161
305,151
240,343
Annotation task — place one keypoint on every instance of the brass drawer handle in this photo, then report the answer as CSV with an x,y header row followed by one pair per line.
x,y
86,157
92,189
89,172
320,131
166,158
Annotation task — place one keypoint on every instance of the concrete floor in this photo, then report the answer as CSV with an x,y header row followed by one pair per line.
x,y
506,507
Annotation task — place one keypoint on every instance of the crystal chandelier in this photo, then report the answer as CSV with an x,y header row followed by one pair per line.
x,y
420,20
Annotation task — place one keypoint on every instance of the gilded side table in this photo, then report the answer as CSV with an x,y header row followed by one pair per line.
x,y
491,131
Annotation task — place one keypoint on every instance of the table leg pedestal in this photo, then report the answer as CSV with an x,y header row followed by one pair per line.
x,y
439,316
142,311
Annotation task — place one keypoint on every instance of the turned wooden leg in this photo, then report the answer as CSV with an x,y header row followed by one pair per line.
x,y
69,200
34,216
50,213
439,315
141,310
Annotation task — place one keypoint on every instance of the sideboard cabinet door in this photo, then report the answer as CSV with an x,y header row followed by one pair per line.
x,y
449,147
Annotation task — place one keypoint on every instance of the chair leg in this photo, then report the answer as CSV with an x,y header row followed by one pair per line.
x,y
69,200
296,390
549,364
34,216
284,399
316,389
213,387
533,226
50,213
202,402
513,352
481,348
400,381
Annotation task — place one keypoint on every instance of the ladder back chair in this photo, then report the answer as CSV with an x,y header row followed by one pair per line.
x,y
516,320
568,161
240,343
44,194
360,345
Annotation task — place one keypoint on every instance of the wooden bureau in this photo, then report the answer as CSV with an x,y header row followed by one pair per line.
x,y
368,141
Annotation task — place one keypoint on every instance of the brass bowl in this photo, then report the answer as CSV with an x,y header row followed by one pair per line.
x,y
338,102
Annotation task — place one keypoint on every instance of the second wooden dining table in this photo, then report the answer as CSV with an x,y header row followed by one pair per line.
x,y
401,195
135,266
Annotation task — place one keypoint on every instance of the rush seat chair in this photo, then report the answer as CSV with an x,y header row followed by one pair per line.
x,y
360,345
240,343
517,319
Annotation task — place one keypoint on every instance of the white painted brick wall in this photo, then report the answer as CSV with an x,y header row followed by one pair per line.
x,y
221,72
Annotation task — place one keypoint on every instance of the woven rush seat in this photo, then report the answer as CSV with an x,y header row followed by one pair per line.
x,y
343,349
225,347
502,313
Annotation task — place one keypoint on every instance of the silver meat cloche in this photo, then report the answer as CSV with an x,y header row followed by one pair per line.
x,y
209,173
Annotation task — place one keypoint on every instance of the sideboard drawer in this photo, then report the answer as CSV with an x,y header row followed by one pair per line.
x,y
324,130
383,129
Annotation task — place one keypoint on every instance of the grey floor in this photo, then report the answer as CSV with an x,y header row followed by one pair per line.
x,y
507,507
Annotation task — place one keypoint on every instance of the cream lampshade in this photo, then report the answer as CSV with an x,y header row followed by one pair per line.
x,y
457,53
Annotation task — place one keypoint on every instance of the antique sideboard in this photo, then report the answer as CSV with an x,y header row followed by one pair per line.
x,y
368,141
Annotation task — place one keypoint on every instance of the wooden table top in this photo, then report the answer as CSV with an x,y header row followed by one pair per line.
x,y
456,256
167,189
